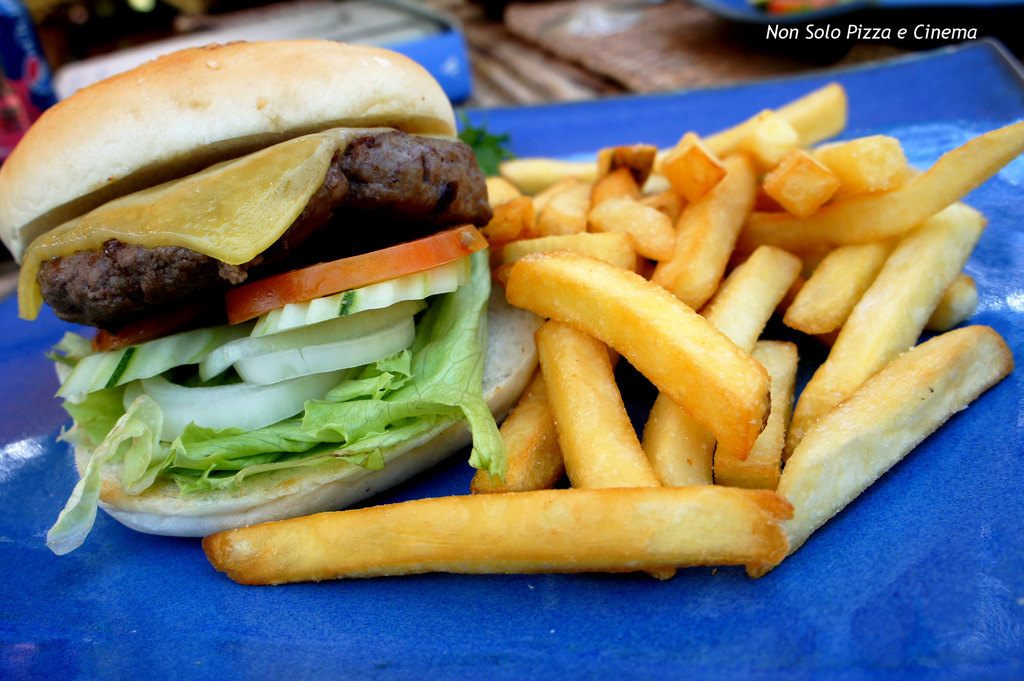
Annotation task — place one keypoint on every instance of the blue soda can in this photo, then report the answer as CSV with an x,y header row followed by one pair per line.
x,y
26,89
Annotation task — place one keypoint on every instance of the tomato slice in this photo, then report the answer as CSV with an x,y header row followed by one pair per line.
x,y
148,329
316,281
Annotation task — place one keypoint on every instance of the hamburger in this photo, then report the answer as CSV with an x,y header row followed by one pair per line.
x,y
272,249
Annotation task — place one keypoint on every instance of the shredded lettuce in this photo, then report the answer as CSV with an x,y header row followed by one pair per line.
x,y
435,382
135,440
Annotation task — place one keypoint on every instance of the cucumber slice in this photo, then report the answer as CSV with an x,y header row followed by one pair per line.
x,y
332,331
315,359
231,406
116,367
417,286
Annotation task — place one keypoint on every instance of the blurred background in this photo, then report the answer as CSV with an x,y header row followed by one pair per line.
x,y
486,53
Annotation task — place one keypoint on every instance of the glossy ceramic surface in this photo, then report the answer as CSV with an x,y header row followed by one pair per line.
x,y
922,577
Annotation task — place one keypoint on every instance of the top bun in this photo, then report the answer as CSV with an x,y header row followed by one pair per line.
x,y
184,111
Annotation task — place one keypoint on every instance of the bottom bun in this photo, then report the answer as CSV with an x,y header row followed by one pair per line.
x,y
510,362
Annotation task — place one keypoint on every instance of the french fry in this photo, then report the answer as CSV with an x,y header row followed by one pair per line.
x,y
668,201
740,309
599,446
855,443
570,530
749,295
541,199
827,298
500,190
958,302
655,184
791,294
816,116
706,234
717,383
761,469
681,451
637,158
534,175
513,219
533,458
770,140
800,184
653,236
873,217
892,313
613,247
565,212
765,203
616,184
864,165
598,443
691,168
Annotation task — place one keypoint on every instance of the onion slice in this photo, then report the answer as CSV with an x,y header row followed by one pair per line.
x,y
315,359
240,405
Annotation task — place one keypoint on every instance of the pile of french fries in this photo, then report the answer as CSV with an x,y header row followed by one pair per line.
x,y
675,259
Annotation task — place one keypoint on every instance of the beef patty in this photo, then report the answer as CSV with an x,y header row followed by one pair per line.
x,y
383,189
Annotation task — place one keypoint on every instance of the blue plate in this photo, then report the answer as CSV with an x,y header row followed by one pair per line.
x,y
922,577
746,12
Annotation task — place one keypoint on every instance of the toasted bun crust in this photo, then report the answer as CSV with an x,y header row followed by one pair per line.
x,y
511,360
181,112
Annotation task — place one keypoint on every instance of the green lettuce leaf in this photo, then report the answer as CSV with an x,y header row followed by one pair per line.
x,y
96,415
134,440
433,384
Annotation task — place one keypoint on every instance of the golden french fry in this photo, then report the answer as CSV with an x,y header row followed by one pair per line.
x,y
565,212
656,183
818,115
513,219
541,199
652,232
567,530
613,247
740,309
500,190
838,282
866,164
534,460
706,234
691,168
873,217
534,175
766,204
749,295
681,451
717,383
637,158
892,313
668,201
800,184
770,140
616,184
500,274
863,437
761,469
958,302
791,294
598,443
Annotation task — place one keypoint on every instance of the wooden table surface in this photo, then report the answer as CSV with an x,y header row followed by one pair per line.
x,y
533,53
540,53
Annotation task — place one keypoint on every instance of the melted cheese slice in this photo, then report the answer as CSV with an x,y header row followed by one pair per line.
x,y
232,211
